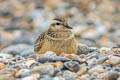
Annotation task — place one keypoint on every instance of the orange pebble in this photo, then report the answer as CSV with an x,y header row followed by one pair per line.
x,y
29,59
2,66
70,56
57,64
107,62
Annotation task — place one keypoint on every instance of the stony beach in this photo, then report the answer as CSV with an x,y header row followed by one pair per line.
x,y
96,25
95,64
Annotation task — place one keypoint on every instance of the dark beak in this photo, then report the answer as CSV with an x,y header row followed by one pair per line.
x,y
68,27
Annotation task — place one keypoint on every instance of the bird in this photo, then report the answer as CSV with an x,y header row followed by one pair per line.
x,y
58,38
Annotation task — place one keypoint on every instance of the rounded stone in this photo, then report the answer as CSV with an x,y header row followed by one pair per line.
x,y
31,63
114,60
23,73
5,55
97,69
49,54
29,78
83,49
16,49
27,53
72,66
44,69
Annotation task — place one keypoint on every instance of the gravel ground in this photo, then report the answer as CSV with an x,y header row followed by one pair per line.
x,y
95,23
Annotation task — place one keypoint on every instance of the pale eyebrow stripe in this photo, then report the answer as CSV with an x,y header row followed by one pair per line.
x,y
58,19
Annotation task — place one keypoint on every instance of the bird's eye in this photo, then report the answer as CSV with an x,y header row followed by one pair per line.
x,y
57,23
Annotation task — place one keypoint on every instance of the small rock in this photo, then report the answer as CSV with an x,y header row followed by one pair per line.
x,y
92,49
68,75
97,69
5,77
82,71
20,58
114,60
106,50
5,55
16,49
2,66
29,78
23,73
83,49
36,75
49,54
59,78
34,56
62,59
94,56
26,53
116,69
44,69
101,60
12,64
112,76
7,72
31,63
107,62
116,50
46,77
72,65
92,62
57,64
70,56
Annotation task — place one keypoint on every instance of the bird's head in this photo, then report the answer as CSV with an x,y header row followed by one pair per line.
x,y
59,24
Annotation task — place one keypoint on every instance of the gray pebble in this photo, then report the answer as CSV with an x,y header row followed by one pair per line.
x,y
114,60
16,49
49,54
27,53
29,78
5,55
72,65
23,73
116,69
112,76
83,49
44,69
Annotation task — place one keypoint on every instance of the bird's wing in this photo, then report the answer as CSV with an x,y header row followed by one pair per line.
x,y
39,42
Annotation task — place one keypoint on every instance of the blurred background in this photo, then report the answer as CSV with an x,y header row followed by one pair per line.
x,y
95,22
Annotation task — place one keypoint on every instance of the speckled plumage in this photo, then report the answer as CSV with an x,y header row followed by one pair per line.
x,y
58,39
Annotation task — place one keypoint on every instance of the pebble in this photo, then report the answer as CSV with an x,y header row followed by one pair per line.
x,y
70,56
116,69
97,69
114,60
7,72
27,52
5,55
23,73
72,66
2,66
83,49
31,63
112,76
13,64
101,60
29,78
82,71
44,69
49,54
62,59
20,58
58,78
16,49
